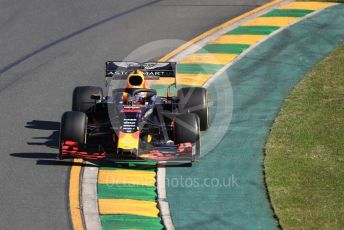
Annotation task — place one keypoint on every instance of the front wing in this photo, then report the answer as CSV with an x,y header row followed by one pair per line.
x,y
162,154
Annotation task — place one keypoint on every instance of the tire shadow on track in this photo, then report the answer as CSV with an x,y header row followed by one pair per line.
x,y
50,141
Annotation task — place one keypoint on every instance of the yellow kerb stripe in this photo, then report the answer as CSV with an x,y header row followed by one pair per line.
x,y
74,190
238,39
208,58
128,207
184,79
217,28
271,21
137,177
163,81
306,5
192,79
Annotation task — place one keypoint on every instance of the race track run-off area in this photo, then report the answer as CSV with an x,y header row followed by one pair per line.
x,y
260,81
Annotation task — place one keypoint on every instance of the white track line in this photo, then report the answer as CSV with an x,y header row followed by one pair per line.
x,y
89,198
162,202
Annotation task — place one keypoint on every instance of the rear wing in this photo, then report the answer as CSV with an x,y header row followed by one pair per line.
x,y
119,70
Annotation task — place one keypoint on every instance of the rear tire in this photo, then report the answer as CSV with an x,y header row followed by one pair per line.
x,y
82,97
195,100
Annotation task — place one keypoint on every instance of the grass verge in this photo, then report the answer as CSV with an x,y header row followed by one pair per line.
x,y
304,161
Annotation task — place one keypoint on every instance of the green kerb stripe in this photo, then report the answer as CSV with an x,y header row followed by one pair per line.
x,y
287,13
224,48
146,166
129,222
254,30
118,191
198,68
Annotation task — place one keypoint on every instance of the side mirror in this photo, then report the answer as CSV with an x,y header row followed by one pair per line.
x,y
95,97
169,89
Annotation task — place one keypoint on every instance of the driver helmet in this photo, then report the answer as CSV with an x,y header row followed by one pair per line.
x,y
136,80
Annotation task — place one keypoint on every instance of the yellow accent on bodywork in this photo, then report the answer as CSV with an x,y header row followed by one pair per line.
x,y
149,138
128,141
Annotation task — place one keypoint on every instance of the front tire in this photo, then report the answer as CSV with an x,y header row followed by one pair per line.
x,y
73,128
187,129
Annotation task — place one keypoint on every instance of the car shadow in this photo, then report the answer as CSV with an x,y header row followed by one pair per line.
x,y
51,141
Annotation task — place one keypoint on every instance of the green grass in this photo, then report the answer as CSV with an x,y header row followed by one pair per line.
x,y
304,161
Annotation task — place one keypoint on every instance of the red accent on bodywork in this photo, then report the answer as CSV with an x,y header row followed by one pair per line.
x,y
185,147
136,135
72,148
70,143
130,111
125,96
120,134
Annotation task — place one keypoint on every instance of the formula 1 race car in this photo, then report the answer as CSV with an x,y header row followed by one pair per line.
x,y
132,122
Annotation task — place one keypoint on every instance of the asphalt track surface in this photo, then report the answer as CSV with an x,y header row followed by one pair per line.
x,y
49,47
